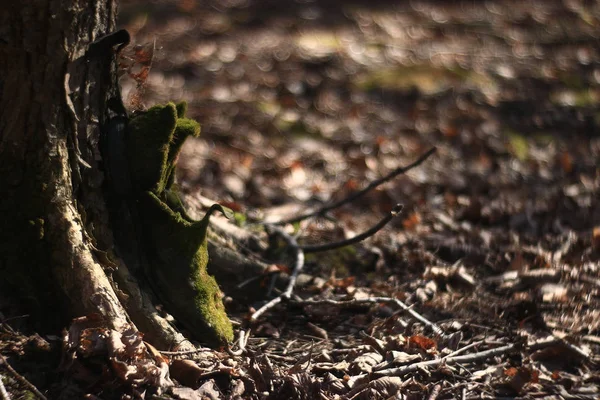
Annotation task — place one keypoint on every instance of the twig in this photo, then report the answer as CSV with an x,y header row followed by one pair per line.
x,y
404,370
463,349
298,266
22,379
299,258
482,355
375,300
435,392
281,358
242,341
185,352
3,393
356,195
368,233
298,262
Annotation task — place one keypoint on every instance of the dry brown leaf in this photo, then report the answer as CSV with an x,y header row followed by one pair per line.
x,y
317,331
400,357
92,341
411,222
566,161
365,362
186,372
208,391
596,238
519,377
341,366
342,283
518,263
422,342
386,386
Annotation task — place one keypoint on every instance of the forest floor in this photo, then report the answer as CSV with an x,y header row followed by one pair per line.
x,y
498,244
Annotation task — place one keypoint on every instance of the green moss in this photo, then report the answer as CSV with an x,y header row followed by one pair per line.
x,y
185,127
149,138
175,244
181,109
38,226
239,218
178,262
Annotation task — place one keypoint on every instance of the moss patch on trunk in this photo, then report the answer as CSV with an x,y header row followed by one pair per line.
x,y
175,245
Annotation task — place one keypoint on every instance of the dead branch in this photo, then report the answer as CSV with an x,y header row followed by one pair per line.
x,y
298,266
323,210
407,369
242,342
368,233
468,358
435,392
3,392
21,379
463,349
186,352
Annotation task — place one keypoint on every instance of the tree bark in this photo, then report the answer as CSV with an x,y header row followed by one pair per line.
x,y
56,245
55,233
47,158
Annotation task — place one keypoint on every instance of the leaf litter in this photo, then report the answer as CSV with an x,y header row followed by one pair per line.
x,y
303,104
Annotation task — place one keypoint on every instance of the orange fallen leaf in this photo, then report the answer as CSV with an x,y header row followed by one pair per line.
x,y
566,161
422,342
411,222
596,238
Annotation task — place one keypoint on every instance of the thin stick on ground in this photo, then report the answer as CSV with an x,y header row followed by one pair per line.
x,y
375,300
185,352
297,268
299,256
467,358
21,379
463,349
323,210
482,355
299,265
360,237
242,341
3,393
435,392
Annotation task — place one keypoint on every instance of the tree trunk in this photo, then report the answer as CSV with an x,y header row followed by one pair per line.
x,y
56,245
55,233
48,164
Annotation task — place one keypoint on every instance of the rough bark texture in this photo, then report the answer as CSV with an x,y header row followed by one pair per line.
x,y
55,238
56,246
46,152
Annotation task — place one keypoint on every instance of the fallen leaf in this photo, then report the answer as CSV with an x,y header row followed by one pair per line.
x,y
566,161
519,377
365,362
422,342
412,221
186,372
400,357
596,238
